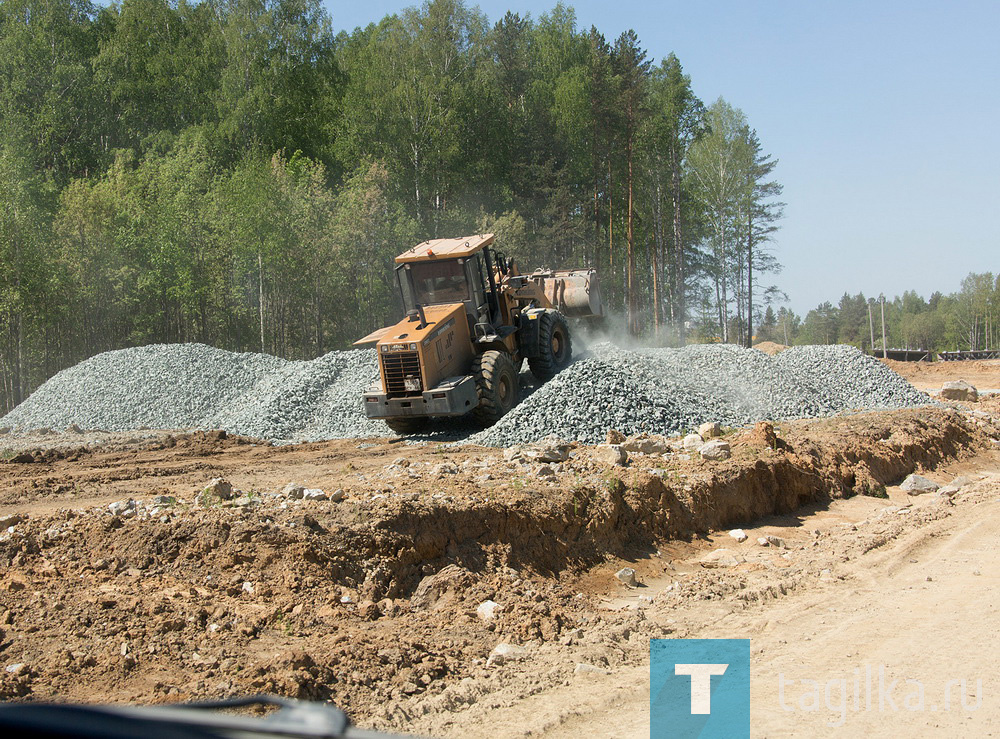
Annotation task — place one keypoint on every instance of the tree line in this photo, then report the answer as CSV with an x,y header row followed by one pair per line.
x,y
965,320
234,172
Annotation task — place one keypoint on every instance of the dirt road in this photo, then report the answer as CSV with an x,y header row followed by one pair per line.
x,y
920,607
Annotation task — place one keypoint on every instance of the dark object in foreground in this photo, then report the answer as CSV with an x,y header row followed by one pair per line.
x,y
181,721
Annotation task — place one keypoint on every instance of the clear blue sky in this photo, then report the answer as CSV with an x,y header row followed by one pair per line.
x,y
884,117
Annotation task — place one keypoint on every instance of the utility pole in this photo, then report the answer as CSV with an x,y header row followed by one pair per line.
x,y
871,324
881,299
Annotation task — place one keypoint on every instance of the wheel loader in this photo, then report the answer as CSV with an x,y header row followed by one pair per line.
x,y
471,320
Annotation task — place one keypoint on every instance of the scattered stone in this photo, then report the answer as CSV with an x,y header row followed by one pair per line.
x,y
721,558
487,610
959,390
588,670
314,494
571,637
11,519
450,579
948,491
715,450
692,442
646,445
216,491
337,495
627,576
763,542
549,449
74,429
503,653
710,430
293,491
776,541
445,468
401,462
739,534
163,501
18,668
248,587
611,455
615,437
122,507
546,472
918,485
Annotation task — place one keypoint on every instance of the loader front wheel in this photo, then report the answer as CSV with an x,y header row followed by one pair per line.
x,y
554,346
496,385
404,426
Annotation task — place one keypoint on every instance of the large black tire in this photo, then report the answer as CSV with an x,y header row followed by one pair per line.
x,y
555,348
407,425
497,385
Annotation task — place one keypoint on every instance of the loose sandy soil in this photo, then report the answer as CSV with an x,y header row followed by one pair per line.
x,y
983,374
370,600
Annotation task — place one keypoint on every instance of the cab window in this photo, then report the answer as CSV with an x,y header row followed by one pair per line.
x,y
439,282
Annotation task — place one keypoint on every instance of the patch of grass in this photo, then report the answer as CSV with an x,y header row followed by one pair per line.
x,y
613,484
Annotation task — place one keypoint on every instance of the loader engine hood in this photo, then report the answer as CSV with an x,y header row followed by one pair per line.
x,y
415,355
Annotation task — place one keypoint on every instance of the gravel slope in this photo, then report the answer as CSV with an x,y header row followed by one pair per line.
x,y
654,390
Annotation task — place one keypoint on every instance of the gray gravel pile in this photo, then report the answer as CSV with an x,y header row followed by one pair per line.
x,y
664,391
172,386
671,391
849,378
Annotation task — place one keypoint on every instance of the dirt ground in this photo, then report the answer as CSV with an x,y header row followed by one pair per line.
x,y
464,591
984,375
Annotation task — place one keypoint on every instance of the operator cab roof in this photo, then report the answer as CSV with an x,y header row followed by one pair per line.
x,y
445,248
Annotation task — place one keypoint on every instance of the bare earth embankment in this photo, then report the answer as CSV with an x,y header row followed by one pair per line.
x,y
376,593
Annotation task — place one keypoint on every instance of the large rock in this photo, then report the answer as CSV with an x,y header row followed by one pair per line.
x,y
721,558
218,489
549,449
715,450
627,576
450,580
611,454
917,485
710,430
647,445
692,442
959,390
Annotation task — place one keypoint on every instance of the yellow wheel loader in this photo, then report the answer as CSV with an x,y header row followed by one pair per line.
x,y
471,321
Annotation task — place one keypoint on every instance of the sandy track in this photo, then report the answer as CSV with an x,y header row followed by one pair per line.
x,y
922,607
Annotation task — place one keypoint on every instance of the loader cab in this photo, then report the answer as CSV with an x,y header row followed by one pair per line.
x,y
445,273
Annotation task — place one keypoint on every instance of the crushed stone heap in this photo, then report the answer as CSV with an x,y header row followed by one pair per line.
x,y
666,391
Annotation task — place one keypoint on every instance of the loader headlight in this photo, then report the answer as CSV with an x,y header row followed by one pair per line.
x,y
413,347
385,347
411,384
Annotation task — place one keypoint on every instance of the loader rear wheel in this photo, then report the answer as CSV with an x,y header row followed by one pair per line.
x,y
555,348
496,384
407,425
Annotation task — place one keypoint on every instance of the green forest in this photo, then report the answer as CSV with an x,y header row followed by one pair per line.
x,y
968,319
233,172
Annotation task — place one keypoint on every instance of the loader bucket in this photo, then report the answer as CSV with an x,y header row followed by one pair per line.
x,y
575,292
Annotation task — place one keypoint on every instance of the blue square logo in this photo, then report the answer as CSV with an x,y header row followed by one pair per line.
x,y
699,688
